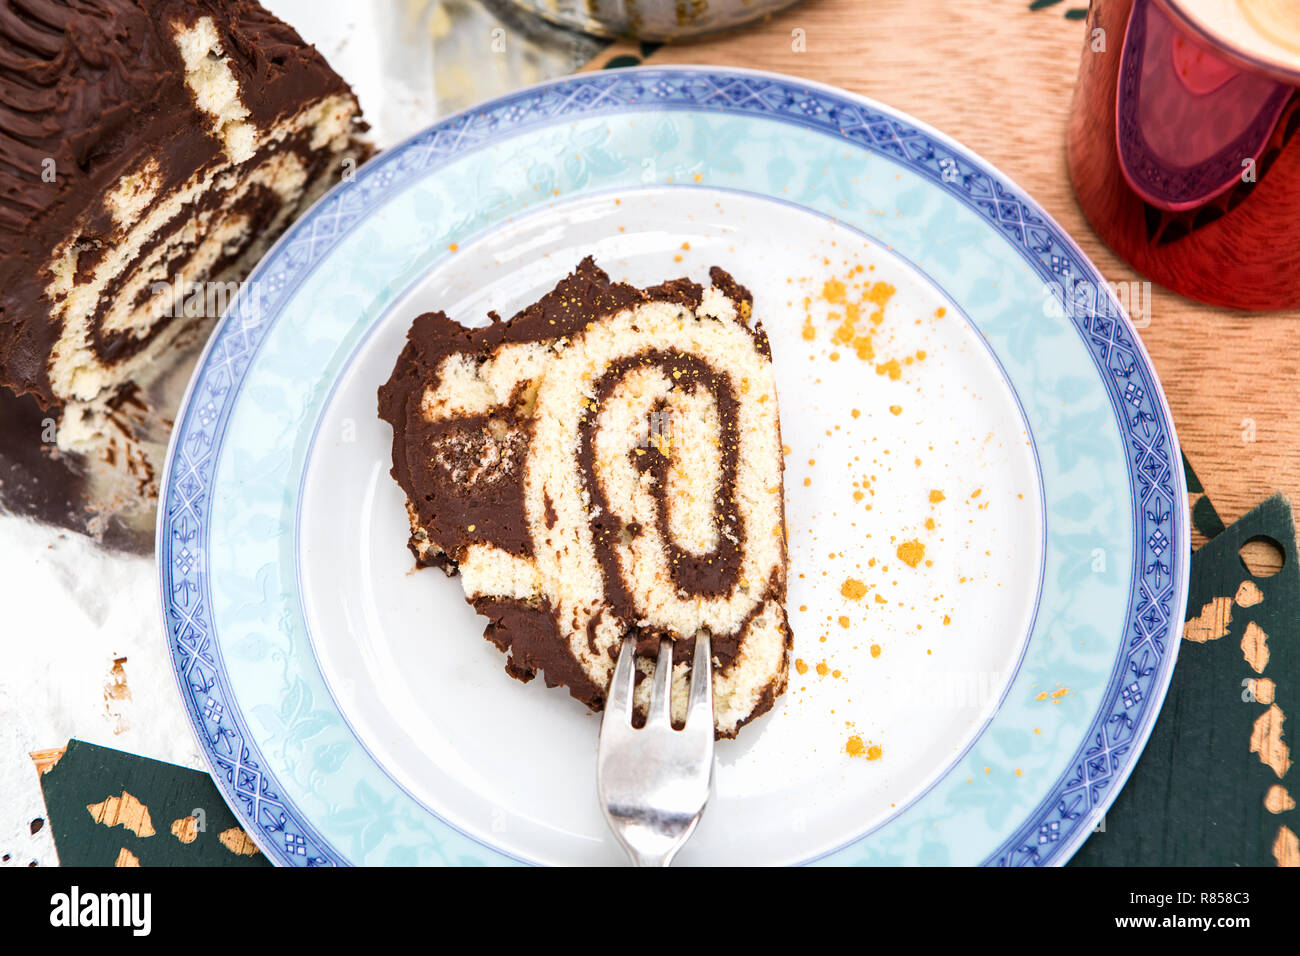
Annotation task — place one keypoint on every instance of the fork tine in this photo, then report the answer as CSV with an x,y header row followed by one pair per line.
x,y
619,699
700,707
661,692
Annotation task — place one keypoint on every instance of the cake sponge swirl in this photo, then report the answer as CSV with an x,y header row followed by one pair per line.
x,y
607,462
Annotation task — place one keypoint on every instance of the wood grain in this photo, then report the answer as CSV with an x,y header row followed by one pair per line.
x,y
1000,78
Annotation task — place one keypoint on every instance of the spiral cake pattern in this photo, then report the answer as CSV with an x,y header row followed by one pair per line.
x,y
151,151
607,462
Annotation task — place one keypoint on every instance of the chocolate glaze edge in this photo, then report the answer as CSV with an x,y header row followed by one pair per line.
x,y
98,88
584,296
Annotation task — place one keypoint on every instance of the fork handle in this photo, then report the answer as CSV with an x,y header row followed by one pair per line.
x,y
651,859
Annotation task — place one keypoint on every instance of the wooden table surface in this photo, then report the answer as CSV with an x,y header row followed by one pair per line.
x,y
999,77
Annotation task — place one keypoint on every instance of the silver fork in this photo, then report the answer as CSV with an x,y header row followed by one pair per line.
x,y
654,782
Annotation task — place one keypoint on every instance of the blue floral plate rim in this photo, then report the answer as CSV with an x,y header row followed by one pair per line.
x,y
1057,827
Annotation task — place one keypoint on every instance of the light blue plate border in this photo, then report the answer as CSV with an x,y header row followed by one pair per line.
x,y
1141,672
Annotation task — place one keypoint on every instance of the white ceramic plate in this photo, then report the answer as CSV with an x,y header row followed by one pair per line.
x,y
983,705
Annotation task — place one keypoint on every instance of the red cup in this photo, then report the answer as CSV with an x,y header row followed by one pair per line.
x,y
1183,153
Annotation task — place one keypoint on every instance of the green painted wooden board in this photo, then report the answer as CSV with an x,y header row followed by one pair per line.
x,y
1198,795
88,775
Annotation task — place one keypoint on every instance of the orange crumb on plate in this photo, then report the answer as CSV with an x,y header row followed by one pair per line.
x,y
911,553
853,589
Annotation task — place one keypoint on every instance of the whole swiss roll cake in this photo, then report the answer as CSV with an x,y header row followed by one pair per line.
x,y
607,462
147,148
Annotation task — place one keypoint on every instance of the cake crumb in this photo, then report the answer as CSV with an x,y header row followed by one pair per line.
x,y
853,589
854,747
911,552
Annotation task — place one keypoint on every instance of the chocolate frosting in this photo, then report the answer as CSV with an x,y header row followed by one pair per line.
x,y
496,510
429,457
98,86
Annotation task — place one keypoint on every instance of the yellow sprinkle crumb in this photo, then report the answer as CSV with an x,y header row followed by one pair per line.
x,y
853,589
936,496
911,553
800,666
890,368
833,291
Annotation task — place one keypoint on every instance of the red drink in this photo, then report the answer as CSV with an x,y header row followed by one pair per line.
x,y
1183,149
